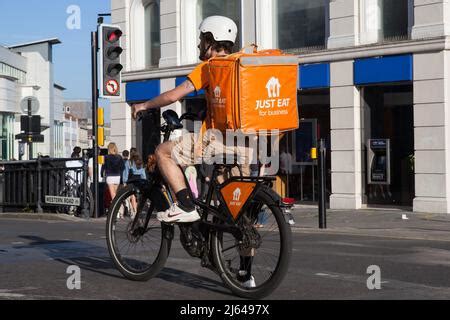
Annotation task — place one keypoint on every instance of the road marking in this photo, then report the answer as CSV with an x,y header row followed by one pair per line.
x,y
327,275
17,242
11,295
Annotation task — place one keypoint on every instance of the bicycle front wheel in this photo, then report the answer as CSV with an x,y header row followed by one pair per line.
x,y
254,266
136,239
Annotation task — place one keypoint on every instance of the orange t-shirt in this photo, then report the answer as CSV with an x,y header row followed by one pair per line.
x,y
200,76
200,79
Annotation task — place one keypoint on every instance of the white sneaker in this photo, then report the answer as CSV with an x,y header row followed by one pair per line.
x,y
176,214
250,283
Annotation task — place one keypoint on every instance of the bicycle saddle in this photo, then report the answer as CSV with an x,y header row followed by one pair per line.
x,y
172,119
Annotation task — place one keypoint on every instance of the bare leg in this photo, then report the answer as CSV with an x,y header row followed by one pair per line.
x,y
169,168
112,190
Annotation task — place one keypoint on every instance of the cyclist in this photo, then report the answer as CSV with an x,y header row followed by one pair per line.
x,y
217,37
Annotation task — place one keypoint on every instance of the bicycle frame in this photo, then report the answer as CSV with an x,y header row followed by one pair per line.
x,y
227,223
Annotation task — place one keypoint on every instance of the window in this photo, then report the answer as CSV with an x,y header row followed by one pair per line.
x,y
230,9
152,33
201,9
301,23
385,20
12,72
145,39
395,19
7,136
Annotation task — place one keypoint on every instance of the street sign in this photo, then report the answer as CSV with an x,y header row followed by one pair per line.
x,y
112,87
28,138
30,124
62,200
34,105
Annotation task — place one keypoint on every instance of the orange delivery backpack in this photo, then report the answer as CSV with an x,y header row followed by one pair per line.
x,y
254,92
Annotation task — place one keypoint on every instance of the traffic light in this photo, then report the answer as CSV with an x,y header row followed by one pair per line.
x,y
110,66
100,129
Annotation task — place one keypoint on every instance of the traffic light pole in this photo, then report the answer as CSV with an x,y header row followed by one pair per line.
x,y
94,50
29,142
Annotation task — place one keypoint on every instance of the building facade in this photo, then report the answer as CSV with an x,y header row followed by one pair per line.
x,y
26,70
374,76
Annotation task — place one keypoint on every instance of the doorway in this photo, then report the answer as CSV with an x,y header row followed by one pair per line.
x,y
314,112
388,114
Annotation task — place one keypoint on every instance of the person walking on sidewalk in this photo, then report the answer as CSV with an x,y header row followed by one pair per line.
x,y
112,169
135,168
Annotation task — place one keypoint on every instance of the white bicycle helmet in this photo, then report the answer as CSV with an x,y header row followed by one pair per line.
x,y
222,28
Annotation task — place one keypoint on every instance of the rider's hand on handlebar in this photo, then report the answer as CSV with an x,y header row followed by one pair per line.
x,y
136,108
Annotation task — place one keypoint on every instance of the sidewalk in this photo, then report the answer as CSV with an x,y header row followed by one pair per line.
x,y
375,222
369,222
40,216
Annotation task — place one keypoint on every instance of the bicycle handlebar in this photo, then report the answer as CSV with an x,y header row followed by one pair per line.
x,y
173,121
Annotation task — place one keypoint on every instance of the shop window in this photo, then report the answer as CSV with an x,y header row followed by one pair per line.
x,y
301,24
385,20
152,33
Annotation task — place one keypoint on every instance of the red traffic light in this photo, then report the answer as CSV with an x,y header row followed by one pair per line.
x,y
114,35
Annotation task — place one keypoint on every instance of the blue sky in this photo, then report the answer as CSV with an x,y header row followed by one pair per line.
x,y
29,20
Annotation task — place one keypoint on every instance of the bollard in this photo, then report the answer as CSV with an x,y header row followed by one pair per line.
x,y
322,185
85,210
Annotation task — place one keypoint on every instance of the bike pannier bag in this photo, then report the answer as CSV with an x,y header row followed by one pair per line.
x,y
254,91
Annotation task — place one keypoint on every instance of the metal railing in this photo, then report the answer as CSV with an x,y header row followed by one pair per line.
x,y
42,184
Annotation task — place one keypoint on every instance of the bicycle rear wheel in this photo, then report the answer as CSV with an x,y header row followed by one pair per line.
x,y
136,240
254,267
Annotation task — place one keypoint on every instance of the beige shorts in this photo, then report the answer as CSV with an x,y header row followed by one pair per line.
x,y
189,150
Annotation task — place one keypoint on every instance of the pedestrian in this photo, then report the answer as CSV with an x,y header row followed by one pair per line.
x,y
136,169
126,159
76,153
205,172
128,164
112,169
75,166
125,155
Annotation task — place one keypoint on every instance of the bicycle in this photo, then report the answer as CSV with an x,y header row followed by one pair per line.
x,y
226,241
73,189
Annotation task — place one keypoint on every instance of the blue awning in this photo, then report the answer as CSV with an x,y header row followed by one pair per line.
x,y
315,76
383,69
142,90
180,80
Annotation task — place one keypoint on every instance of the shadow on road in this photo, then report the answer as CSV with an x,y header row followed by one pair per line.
x,y
192,280
96,258
87,256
